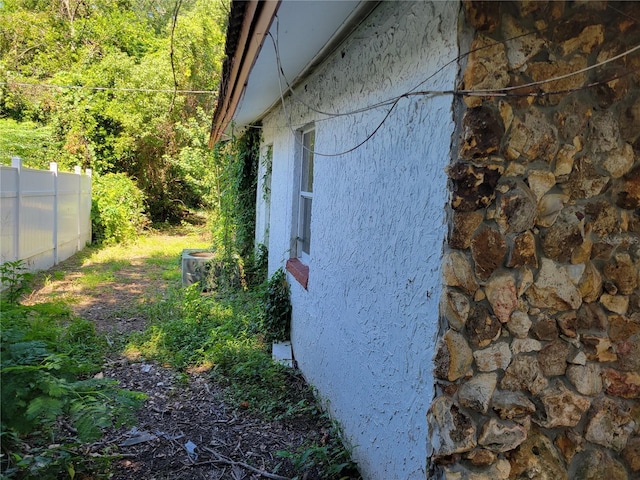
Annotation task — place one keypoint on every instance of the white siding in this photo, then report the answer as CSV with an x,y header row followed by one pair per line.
x,y
364,332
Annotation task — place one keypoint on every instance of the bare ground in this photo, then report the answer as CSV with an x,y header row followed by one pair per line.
x,y
185,430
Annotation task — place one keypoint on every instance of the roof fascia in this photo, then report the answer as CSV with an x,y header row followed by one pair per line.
x,y
257,19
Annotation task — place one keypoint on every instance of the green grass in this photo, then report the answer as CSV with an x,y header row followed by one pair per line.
x,y
172,275
57,275
95,279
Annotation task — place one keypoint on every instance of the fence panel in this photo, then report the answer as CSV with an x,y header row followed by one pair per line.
x,y
9,201
36,217
84,236
45,215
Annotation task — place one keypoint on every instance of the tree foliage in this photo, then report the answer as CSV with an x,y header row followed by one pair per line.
x,y
99,79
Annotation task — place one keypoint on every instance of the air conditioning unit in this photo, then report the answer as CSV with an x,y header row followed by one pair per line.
x,y
194,266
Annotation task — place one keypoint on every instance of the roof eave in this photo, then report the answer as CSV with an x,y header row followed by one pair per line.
x,y
256,21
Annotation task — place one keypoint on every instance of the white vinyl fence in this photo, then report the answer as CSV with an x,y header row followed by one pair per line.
x,y
45,216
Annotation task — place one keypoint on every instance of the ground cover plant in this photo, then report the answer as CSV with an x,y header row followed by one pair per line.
x,y
203,361
225,336
51,400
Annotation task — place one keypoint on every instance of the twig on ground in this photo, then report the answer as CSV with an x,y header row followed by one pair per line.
x,y
232,463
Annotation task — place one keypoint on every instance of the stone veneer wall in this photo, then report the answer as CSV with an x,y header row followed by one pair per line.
x,y
538,365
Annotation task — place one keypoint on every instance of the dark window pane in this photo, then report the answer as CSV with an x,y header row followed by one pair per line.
x,y
305,240
308,142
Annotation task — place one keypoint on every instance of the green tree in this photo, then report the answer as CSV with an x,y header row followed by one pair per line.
x,y
116,64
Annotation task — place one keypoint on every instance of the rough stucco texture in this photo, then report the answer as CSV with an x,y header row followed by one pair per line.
x,y
364,331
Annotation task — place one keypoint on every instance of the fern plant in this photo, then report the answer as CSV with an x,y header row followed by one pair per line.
x,y
45,372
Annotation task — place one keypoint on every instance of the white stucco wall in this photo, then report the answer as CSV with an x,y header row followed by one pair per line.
x,y
364,331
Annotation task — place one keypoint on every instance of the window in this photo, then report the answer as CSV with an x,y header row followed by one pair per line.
x,y
306,196
298,266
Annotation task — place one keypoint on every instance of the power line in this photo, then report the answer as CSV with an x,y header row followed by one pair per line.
x,y
393,102
502,91
276,46
116,89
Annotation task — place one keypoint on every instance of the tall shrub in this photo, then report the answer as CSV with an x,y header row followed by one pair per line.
x,y
117,211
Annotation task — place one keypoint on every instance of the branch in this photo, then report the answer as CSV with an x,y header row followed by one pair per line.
x,y
173,67
228,461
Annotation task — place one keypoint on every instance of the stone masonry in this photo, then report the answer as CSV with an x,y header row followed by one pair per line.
x,y
538,365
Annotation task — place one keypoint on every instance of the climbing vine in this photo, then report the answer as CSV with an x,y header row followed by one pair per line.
x,y
247,159
277,304
234,222
267,165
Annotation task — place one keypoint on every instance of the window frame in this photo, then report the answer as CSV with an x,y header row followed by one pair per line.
x,y
298,264
305,193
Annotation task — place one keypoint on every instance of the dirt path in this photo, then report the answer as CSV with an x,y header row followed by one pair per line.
x,y
184,430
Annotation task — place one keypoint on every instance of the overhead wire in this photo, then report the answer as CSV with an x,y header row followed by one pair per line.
x,y
290,90
315,152
390,102
516,95
393,102
117,89
496,92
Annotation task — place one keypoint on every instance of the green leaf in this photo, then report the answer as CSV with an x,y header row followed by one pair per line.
x,y
55,387
45,408
28,353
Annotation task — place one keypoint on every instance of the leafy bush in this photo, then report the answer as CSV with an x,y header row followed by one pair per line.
x,y
47,360
117,211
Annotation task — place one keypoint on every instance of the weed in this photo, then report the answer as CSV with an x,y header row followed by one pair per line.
x,y
329,457
191,329
15,279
